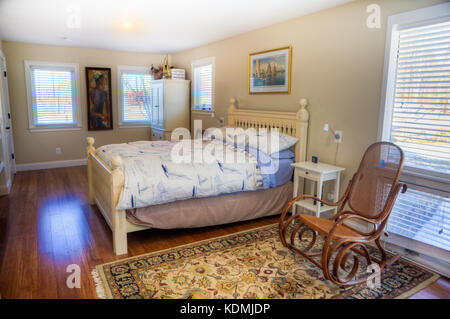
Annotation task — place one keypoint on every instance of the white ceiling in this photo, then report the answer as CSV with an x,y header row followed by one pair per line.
x,y
157,26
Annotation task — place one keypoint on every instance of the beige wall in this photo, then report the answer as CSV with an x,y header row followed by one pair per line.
x,y
41,146
337,64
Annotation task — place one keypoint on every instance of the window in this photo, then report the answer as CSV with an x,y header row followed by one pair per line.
x,y
415,115
203,84
53,95
135,99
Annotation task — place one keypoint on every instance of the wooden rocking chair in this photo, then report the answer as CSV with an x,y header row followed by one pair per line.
x,y
370,196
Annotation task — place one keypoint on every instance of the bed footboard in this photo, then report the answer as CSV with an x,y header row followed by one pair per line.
x,y
105,185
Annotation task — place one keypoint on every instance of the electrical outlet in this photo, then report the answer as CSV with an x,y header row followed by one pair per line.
x,y
330,196
222,121
58,150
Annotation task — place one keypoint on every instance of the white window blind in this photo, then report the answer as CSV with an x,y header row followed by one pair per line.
x,y
421,112
423,216
203,87
421,127
136,97
53,96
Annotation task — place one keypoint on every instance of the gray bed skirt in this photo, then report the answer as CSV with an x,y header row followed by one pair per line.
x,y
209,211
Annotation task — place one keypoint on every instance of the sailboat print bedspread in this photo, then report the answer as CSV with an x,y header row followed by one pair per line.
x,y
154,176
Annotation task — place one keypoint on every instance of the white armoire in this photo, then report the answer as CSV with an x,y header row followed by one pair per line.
x,y
170,107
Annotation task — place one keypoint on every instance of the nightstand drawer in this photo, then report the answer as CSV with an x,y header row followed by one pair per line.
x,y
307,174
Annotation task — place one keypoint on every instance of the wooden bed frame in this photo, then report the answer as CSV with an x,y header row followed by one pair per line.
x,y
105,182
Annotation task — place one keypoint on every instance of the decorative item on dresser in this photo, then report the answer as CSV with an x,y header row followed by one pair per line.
x,y
169,107
106,182
177,74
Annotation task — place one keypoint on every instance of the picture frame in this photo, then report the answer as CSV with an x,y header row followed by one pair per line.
x,y
270,71
99,98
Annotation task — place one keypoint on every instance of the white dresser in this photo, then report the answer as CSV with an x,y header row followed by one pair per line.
x,y
170,107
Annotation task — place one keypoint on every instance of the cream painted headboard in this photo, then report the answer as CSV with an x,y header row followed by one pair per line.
x,y
289,123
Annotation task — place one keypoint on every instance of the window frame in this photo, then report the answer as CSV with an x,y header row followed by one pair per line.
x,y
28,65
130,69
419,179
196,64
412,19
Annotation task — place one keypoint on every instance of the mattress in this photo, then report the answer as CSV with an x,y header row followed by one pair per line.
x,y
224,209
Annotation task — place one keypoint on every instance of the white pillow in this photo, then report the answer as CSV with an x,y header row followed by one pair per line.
x,y
267,141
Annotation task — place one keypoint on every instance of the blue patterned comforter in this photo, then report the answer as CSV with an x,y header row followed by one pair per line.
x,y
153,176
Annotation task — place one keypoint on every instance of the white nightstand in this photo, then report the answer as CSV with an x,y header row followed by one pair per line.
x,y
316,173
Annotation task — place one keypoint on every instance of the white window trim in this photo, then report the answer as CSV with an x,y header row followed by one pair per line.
x,y
396,23
57,127
120,70
196,64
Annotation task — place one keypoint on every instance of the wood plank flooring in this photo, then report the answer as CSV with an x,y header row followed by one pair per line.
x,y
46,224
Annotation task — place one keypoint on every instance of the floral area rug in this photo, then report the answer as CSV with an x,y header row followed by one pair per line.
x,y
251,264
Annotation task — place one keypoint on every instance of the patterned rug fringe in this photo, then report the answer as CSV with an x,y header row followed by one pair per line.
x,y
99,288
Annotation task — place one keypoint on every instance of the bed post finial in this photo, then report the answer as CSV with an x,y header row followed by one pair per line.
x,y
231,109
303,114
301,130
233,105
90,149
116,162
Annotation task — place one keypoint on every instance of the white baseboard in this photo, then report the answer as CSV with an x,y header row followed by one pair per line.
x,y
47,165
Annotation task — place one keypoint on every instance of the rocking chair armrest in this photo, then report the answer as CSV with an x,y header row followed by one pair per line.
x,y
289,205
317,199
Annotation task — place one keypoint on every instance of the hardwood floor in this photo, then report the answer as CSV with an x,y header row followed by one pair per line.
x,y
47,224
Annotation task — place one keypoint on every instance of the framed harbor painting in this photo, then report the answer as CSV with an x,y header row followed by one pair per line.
x,y
98,82
270,71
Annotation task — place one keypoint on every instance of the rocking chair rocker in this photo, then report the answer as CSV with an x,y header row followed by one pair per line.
x,y
370,196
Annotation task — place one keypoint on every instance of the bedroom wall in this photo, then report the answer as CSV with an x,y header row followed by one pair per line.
x,y
41,146
337,64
